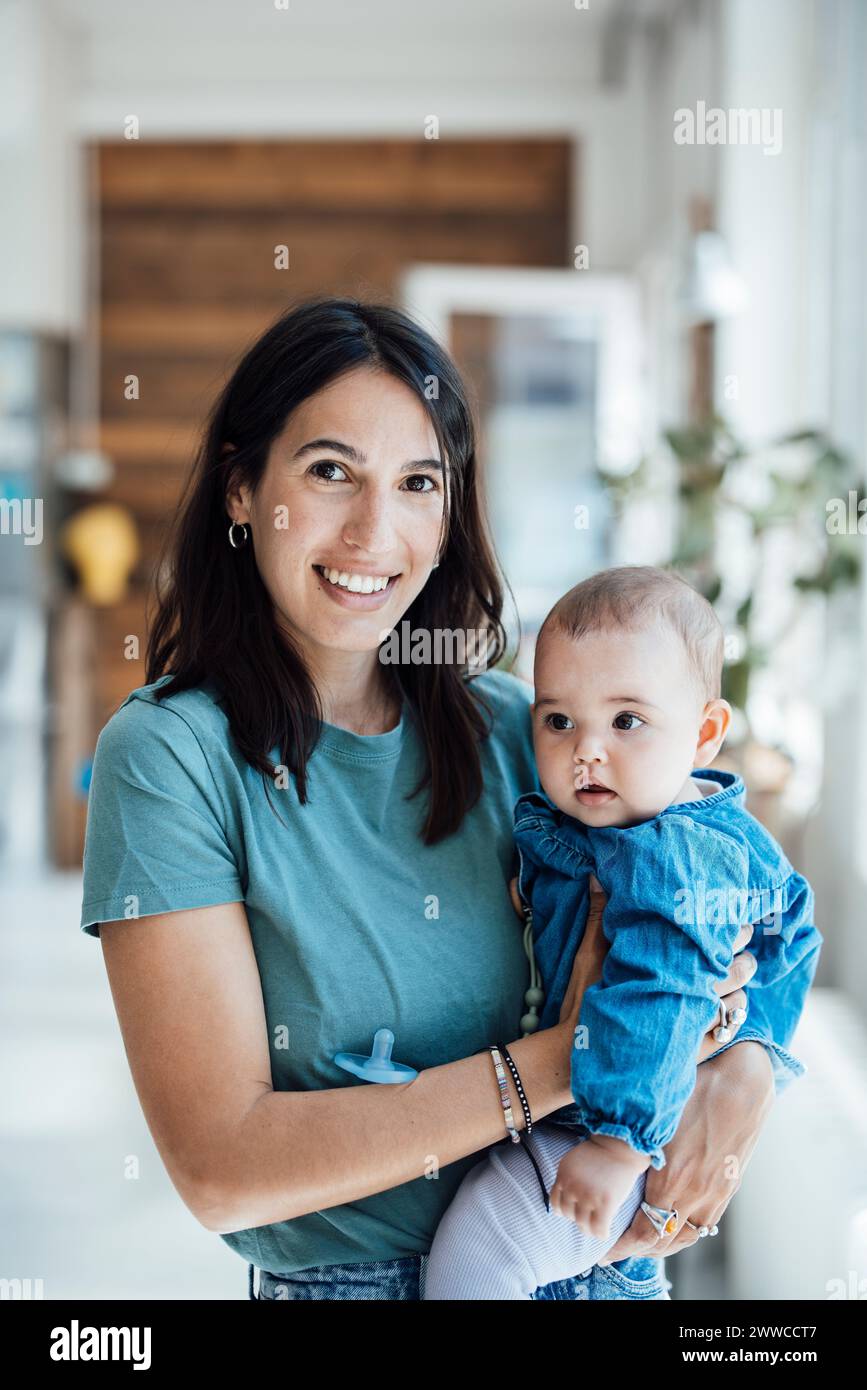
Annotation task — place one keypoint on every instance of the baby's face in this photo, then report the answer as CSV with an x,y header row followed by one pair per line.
x,y
616,723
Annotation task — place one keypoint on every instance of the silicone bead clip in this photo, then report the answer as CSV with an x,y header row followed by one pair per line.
x,y
378,1066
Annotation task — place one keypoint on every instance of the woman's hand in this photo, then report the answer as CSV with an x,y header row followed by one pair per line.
x,y
731,991
705,1160
587,966
589,959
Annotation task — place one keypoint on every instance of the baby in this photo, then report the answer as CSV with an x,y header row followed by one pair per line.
x,y
627,711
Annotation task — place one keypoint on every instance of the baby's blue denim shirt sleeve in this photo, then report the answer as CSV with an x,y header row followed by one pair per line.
x,y
787,954
634,1061
786,1067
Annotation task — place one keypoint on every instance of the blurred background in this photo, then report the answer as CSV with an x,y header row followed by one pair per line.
x,y
639,226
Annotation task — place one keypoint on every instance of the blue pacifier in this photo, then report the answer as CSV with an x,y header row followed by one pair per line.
x,y
378,1066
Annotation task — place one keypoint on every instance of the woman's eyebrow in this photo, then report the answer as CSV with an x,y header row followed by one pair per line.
x,y
356,456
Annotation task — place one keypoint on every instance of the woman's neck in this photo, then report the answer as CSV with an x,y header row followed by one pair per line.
x,y
362,701
356,691
378,717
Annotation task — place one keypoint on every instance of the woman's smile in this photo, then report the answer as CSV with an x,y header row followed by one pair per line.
x,y
354,588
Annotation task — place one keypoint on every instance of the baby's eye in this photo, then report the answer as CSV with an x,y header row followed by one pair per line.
x,y
626,726
557,727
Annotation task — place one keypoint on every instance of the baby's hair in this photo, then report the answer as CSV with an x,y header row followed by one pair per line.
x,y
630,595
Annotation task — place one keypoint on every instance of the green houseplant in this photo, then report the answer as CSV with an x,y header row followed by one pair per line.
x,y
785,486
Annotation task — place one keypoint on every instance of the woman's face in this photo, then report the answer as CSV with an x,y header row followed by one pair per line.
x,y
352,489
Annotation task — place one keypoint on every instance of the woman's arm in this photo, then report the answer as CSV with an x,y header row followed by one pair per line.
x,y
188,996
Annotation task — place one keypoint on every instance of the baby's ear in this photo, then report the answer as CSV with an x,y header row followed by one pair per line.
x,y
715,721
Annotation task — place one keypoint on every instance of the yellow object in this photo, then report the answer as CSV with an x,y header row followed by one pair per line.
x,y
102,543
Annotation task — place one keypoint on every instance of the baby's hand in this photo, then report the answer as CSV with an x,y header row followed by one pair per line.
x,y
593,1180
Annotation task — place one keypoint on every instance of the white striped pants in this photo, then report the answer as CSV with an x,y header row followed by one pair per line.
x,y
497,1240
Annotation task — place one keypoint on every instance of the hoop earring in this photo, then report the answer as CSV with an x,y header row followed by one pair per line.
x,y
237,545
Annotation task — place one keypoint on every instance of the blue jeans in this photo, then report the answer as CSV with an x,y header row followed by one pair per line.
x,y
637,1277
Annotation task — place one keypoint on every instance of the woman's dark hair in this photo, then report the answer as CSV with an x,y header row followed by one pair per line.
x,y
214,618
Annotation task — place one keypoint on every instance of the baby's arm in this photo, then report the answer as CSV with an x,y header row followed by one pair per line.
x,y
634,1059
787,954
593,1179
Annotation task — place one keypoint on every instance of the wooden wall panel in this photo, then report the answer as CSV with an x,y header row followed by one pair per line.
x,y
343,176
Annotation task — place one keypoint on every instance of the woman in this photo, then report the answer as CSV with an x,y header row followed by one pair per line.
x,y
256,810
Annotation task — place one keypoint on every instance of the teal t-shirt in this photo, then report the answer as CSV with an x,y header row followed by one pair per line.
x,y
356,924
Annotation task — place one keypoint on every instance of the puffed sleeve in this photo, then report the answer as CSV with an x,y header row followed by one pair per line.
x,y
156,838
635,1055
786,965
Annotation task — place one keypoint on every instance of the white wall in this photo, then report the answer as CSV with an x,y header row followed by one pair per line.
x,y
766,62
794,223
40,230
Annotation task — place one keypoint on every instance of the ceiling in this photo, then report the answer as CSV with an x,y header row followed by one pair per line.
x,y
210,18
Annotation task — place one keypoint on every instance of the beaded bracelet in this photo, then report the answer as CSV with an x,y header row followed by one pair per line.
x,y
520,1138
518,1087
505,1099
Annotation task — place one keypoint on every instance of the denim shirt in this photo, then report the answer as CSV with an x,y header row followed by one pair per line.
x,y
679,887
